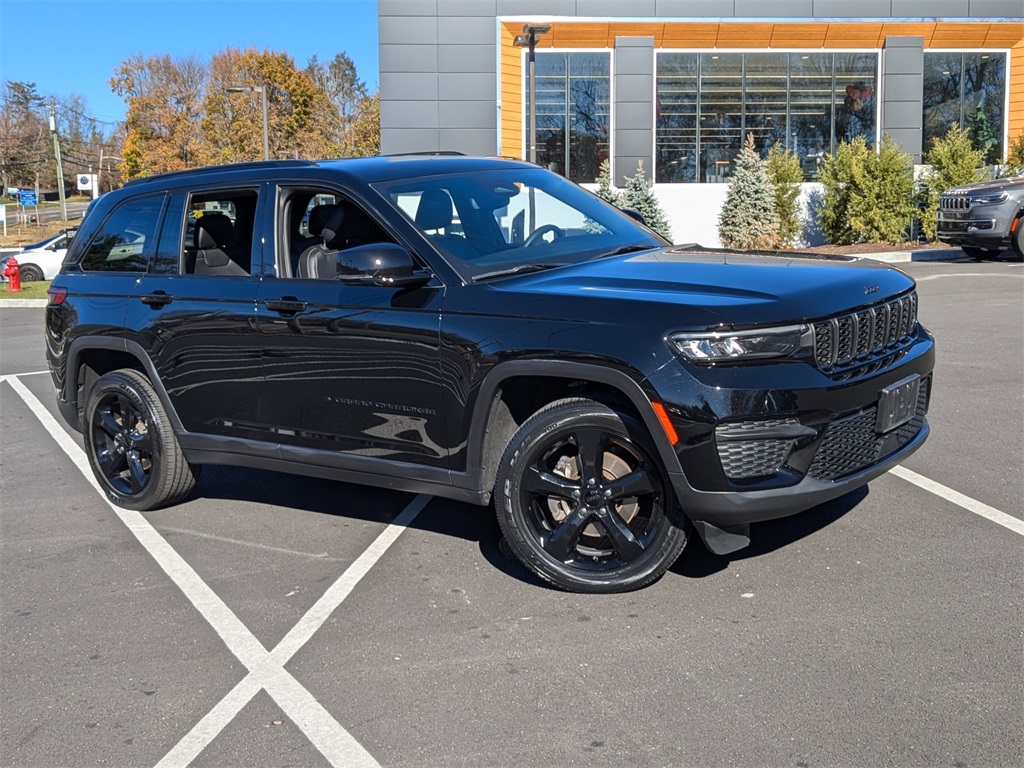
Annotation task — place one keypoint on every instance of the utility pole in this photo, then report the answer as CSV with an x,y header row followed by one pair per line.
x,y
60,165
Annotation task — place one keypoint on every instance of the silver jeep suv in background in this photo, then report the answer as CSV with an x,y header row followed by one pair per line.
x,y
984,218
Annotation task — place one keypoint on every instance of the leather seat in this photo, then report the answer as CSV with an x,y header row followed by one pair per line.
x,y
213,239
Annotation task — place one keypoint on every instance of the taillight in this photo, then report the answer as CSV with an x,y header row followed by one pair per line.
x,y
57,295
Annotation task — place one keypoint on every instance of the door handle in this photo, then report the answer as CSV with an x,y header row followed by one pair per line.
x,y
156,298
289,305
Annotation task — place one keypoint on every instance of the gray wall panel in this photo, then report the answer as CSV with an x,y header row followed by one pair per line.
x,y
864,9
409,86
902,114
406,7
468,141
467,8
537,7
997,9
396,140
694,8
638,61
467,86
467,114
407,58
903,61
908,137
774,8
417,30
634,115
467,30
923,8
613,8
634,144
466,58
409,114
633,88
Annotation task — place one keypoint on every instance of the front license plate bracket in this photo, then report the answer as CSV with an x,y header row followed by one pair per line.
x,y
897,404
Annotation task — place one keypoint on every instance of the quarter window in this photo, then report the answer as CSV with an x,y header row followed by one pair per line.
x,y
120,244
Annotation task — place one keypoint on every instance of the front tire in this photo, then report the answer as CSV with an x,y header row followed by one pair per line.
x,y
980,254
30,273
131,445
1017,244
584,502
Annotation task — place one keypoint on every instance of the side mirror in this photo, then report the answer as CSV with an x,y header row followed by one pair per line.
x,y
635,214
383,264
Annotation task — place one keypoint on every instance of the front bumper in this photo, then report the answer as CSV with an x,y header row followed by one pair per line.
x,y
826,428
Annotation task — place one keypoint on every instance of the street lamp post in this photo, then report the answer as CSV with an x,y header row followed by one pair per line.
x,y
528,40
262,90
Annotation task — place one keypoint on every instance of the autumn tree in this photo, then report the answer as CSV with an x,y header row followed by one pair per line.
x,y
340,81
363,136
24,135
163,96
299,112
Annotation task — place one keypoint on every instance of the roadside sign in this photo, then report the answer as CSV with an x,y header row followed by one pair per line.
x,y
26,199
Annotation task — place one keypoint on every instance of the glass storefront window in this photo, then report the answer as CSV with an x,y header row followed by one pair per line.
x,y
969,90
573,112
804,102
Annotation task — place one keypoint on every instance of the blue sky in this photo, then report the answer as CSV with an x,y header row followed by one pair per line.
x,y
73,46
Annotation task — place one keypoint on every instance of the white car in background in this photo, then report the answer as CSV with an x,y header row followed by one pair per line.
x,y
42,260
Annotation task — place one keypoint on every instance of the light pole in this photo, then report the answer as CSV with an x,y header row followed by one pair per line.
x,y
262,90
528,40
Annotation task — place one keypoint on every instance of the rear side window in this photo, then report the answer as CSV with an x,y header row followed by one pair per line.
x,y
119,245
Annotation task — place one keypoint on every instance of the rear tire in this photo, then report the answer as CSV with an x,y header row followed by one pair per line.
x,y
584,502
131,445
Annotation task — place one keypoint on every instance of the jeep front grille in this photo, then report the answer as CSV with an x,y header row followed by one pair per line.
x,y
860,337
951,203
851,443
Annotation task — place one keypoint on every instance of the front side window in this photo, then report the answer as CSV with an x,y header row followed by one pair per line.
x,y
969,90
573,112
492,221
804,102
120,244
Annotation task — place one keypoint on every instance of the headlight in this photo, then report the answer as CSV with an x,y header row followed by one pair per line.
x,y
739,346
991,199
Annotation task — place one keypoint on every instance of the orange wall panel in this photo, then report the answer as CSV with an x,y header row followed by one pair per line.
x,y
745,35
953,35
853,35
798,35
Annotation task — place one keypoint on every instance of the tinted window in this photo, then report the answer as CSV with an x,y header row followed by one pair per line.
x,y
219,233
119,246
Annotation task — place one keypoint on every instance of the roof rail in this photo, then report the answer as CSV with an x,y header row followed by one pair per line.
x,y
226,167
429,153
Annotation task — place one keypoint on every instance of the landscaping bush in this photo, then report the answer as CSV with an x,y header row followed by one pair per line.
x,y
868,195
954,160
785,174
639,195
749,219
605,190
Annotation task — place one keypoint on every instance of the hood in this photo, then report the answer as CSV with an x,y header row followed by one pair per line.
x,y
983,187
739,288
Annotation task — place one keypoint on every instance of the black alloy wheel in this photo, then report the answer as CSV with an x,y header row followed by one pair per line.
x,y
131,446
584,502
1017,244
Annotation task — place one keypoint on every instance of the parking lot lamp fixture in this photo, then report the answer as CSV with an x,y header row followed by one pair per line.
x,y
262,90
528,40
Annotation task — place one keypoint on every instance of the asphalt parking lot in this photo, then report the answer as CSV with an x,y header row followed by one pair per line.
x,y
279,620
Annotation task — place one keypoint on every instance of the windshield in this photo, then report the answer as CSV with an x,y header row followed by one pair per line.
x,y
490,222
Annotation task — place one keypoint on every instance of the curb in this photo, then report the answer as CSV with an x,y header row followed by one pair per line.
x,y
21,303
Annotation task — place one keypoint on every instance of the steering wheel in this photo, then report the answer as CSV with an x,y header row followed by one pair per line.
x,y
535,236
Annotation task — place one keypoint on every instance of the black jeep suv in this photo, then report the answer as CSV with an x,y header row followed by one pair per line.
x,y
483,330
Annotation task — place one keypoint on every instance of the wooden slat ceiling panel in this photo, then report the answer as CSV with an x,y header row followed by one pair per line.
x,y
690,35
908,29
1004,35
853,35
745,35
798,35
949,35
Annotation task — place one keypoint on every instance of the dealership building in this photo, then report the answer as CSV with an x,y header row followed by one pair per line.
x,y
677,85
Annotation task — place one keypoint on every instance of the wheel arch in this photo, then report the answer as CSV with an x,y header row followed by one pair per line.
x,y
513,391
91,357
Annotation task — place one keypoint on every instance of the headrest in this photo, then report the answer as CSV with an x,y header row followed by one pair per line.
x,y
435,210
332,227
213,230
318,218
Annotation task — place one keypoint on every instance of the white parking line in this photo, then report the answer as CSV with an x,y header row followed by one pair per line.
x,y
266,669
966,502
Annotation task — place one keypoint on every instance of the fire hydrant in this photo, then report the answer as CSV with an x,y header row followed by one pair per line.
x,y
13,275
